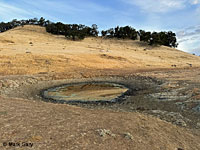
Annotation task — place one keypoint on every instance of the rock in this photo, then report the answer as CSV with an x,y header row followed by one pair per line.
x,y
31,81
173,65
198,125
181,105
1,84
83,134
197,108
140,109
172,95
158,112
128,136
180,122
9,84
174,117
104,133
36,138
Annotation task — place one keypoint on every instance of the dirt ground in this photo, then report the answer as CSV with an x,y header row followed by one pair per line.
x,y
161,113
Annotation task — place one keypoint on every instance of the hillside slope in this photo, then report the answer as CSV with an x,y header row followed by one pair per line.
x,y
31,60
61,127
30,50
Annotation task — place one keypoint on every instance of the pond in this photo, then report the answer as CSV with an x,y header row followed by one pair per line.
x,y
85,92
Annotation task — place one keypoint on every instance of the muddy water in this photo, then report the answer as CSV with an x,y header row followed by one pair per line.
x,y
86,92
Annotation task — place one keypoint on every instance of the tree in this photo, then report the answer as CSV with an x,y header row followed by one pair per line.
x,y
154,38
33,21
78,32
172,39
111,33
103,33
41,22
94,30
117,33
51,28
145,36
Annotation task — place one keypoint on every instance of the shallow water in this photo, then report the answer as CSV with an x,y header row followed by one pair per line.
x,y
86,92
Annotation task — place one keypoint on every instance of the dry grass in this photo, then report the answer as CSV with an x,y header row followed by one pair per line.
x,y
30,50
53,126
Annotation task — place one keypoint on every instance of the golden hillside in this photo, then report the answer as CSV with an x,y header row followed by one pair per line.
x,y
30,50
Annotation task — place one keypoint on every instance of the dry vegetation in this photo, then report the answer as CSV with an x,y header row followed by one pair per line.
x,y
29,50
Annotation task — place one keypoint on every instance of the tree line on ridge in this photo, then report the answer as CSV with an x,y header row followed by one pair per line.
x,y
79,31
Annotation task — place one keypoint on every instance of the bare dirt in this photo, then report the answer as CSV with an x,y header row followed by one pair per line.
x,y
160,112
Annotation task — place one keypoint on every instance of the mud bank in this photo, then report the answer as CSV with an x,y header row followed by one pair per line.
x,y
86,92
171,101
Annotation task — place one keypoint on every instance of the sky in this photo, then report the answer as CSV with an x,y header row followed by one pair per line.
x,y
179,16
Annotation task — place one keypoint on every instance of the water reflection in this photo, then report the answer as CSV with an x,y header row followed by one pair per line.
x,y
86,92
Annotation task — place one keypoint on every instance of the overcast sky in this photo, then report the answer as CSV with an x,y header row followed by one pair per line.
x,y
180,16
